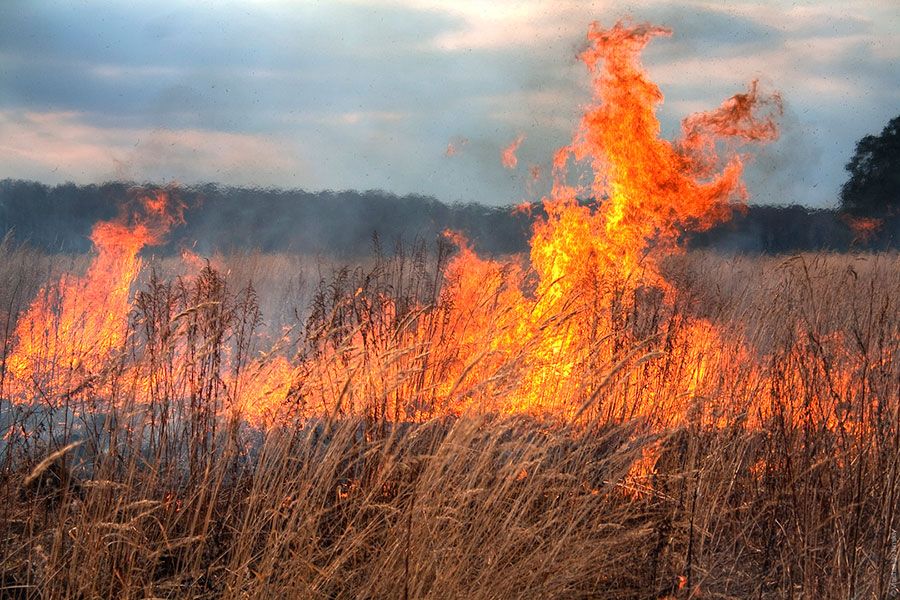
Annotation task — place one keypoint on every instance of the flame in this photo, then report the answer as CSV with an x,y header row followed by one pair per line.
x,y
864,228
71,328
543,333
568,330
539,336
650,187
508,155
645,191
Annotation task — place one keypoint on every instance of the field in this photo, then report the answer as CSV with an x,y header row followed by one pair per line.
x,y
604,416
777,476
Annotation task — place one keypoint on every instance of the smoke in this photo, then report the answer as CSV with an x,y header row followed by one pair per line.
x,y
344,224
335,223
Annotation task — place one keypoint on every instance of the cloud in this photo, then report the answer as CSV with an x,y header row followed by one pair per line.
x,y
366,93
59,146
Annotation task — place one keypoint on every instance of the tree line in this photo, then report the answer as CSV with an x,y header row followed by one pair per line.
x,y
346,223
59,219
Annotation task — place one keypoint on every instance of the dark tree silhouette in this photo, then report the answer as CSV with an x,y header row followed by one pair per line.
x,y
341,223
874,185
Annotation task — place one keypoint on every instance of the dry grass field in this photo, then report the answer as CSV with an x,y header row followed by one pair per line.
x,y
779,478
604,417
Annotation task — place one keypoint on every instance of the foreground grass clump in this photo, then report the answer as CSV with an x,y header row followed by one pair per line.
x,y
476,507
479,507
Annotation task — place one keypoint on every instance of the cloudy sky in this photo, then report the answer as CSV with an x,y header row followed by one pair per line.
x,y
367,94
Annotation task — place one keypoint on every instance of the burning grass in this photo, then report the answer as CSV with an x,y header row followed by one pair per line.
x,y
605,417
164,499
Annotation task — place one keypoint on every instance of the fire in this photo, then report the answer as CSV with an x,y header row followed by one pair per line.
x,y
586,254
508,156
864,228
651,187
547,333
71,328
629,394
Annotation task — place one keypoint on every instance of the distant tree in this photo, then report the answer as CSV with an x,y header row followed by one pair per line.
x,y
874,185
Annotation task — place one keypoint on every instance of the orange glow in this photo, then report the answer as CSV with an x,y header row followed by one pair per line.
x,y
71,328
455,146
864,228
546,334
508,155
537,335
645,190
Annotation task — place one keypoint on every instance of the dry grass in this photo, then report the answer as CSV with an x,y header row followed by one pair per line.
x,y
171,501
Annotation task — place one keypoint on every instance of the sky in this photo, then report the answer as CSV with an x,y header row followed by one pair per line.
x,y
368,94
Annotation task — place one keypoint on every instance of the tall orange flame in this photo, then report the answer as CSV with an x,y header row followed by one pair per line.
x,y
645,191
649,188
71,328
